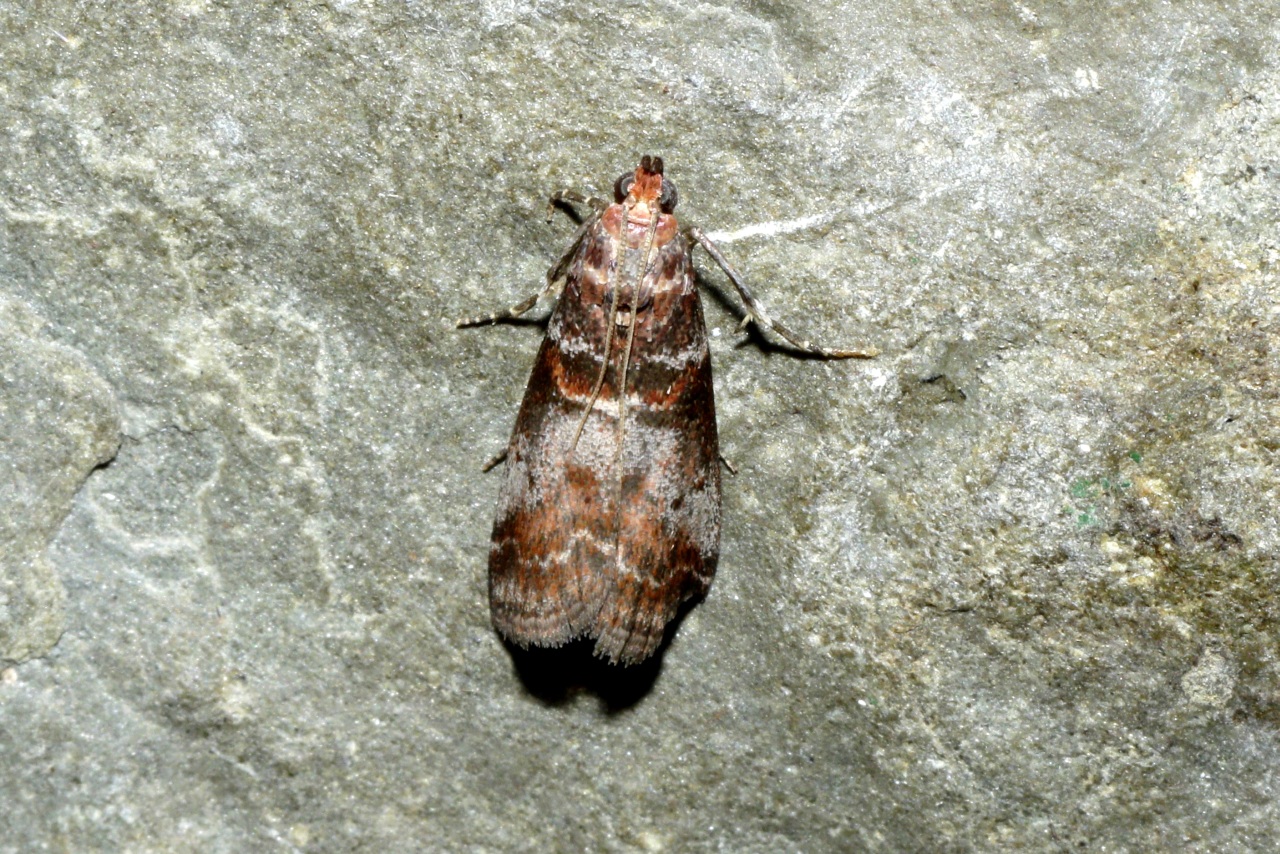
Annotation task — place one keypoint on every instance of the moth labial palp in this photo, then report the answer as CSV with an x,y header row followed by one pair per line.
x,y
608,516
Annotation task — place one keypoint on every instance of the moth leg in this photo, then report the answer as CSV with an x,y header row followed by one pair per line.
x,y
560,269
555,275
573,197
497,458
724,461
506,314
756,312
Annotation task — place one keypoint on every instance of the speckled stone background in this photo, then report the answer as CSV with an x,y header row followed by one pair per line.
x,y
1013,584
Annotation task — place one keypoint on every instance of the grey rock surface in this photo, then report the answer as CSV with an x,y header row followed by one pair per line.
x,y
1011,585
58,421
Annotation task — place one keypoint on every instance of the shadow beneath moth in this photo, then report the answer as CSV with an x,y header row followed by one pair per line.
x,y
608,518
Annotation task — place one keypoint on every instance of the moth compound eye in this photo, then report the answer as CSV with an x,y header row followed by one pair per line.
x,y
668,198
622,185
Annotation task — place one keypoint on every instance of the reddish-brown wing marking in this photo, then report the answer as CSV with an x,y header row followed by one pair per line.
x,y
609,515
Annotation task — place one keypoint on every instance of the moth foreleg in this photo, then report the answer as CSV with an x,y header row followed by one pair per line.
x,y
756,312
555,275
564,197
507,313
560,269
495,460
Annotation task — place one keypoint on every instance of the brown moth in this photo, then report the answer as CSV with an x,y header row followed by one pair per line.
x,y
609,513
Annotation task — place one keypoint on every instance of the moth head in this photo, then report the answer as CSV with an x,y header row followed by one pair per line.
x,y
647,184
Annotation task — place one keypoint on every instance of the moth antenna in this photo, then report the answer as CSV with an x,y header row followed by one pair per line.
x,y
604,368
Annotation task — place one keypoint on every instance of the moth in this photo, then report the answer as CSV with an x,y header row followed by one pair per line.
x,y
608,517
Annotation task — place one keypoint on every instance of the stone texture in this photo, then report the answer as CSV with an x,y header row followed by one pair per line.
x,y
58,421
1011,585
